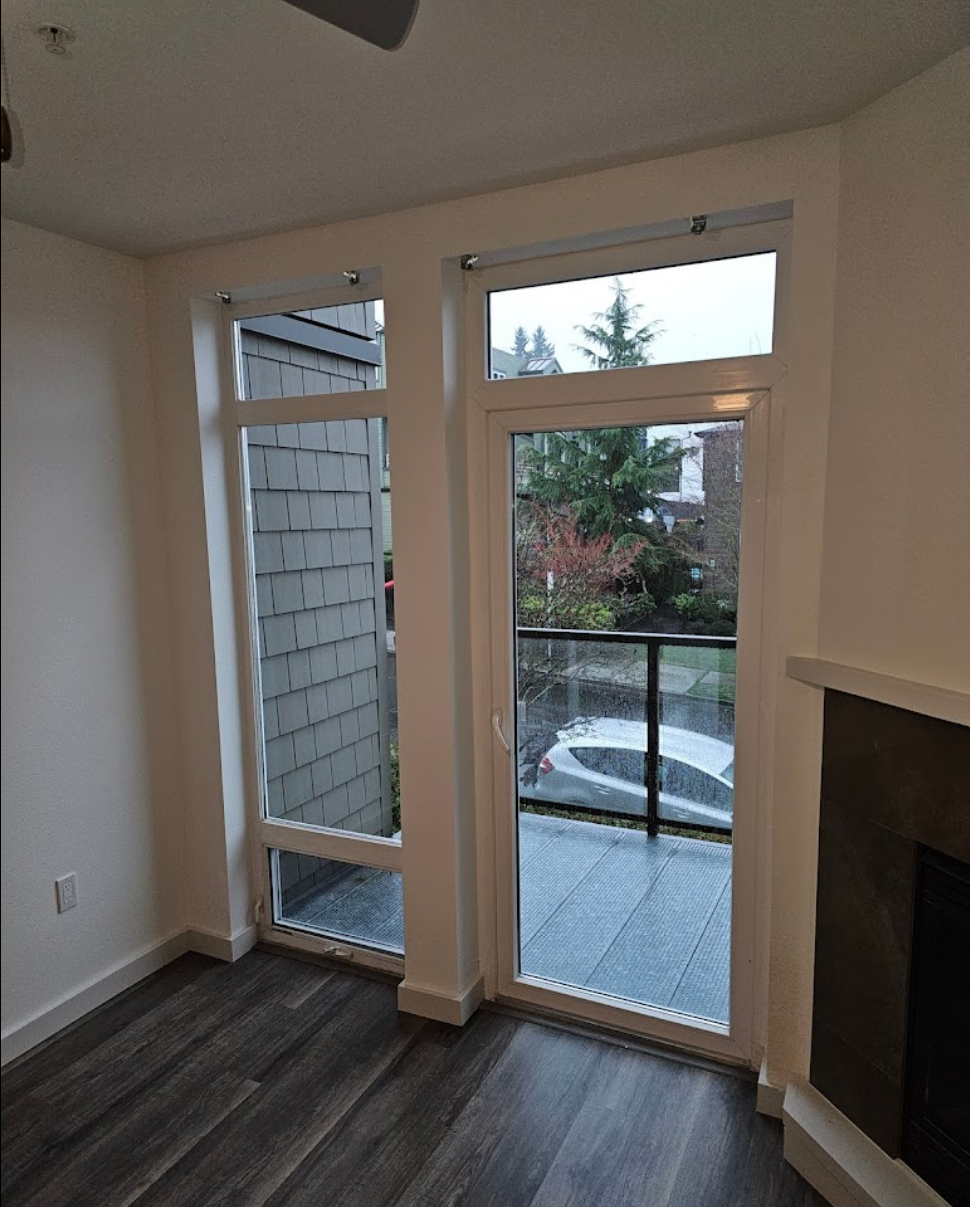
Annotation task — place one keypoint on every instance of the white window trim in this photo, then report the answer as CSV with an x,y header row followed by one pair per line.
x,y
722,376
266,833
256,303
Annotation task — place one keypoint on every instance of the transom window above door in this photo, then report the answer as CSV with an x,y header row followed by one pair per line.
x,y
707,310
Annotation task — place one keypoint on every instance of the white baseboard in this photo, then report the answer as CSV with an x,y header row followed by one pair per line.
x,y
47,1022
429,1003
771,1097
841,1162
221,947
20,1038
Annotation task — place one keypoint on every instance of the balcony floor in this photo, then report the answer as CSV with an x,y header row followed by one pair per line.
x,y
612,910
602,908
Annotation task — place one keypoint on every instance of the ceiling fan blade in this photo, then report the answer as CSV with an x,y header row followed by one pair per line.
x,y
383,23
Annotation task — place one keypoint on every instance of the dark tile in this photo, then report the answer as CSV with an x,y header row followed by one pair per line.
x,y
863,935
908,772
890,779
862,1092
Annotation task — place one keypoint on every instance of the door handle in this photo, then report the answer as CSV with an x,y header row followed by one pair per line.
x,y
497,727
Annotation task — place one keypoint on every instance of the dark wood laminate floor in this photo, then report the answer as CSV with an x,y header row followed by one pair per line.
x,y
277,1082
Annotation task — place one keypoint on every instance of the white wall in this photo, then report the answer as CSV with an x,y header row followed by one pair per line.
x,y
88,779
896,565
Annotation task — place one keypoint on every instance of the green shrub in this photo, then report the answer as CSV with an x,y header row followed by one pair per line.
x,y
707,614
395,788
536,611
634,608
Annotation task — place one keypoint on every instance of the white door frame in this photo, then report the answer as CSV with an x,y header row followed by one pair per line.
x,y
745,387
733,1042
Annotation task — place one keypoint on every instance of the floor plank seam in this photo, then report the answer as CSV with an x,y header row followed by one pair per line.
x,y
700,937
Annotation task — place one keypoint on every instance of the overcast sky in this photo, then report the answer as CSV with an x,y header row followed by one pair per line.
x,y
713,309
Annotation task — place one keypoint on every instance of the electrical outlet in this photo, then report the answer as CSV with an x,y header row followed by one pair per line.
x,y
66,889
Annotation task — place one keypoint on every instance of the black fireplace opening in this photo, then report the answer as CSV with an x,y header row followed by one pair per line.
x,y
936,1125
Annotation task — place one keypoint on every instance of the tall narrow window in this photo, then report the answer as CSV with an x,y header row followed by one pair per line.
x,y
318,495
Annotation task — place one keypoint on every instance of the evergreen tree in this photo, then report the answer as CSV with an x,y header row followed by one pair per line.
x,y
540,343
605,477
520,342
618,342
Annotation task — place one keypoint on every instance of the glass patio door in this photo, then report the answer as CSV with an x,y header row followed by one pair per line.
x,y
620,661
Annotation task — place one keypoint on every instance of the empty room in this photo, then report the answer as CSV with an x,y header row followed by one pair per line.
x,y
486,686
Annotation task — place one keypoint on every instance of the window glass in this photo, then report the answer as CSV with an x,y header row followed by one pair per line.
x,y
616,762
332,350
322,561
690,783
341,900
687,312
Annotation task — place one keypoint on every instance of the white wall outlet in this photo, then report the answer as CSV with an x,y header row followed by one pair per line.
x,y
66,889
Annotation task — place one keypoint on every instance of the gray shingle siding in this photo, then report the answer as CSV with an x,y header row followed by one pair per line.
x,y
277,368
320,624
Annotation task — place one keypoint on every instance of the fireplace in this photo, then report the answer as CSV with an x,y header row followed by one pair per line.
x,y
936,1127
894,845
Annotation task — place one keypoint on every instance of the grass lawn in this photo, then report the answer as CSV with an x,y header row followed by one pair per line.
x,y
724,691
700,658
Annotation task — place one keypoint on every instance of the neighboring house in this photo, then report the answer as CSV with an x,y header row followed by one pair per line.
x,y
704,490
684,497
507,364
337,350
709,492
722,462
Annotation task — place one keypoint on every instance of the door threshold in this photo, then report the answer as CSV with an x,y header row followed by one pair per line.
x,y
617,1037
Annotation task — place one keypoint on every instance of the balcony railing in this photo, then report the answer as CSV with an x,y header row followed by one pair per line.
x,y
646,687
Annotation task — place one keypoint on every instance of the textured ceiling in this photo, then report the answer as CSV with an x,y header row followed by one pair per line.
x,y
183,122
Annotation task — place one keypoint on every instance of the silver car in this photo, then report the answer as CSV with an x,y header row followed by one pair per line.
x,y
600,763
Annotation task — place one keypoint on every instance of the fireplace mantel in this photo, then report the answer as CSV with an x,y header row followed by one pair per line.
x,y
940,702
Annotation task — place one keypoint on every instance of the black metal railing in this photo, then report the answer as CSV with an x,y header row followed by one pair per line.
x,y
653,643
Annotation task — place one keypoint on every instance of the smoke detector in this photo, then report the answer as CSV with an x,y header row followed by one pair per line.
x,y
56,38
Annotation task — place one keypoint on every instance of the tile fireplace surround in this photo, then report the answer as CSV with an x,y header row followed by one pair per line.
x,y
891,779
